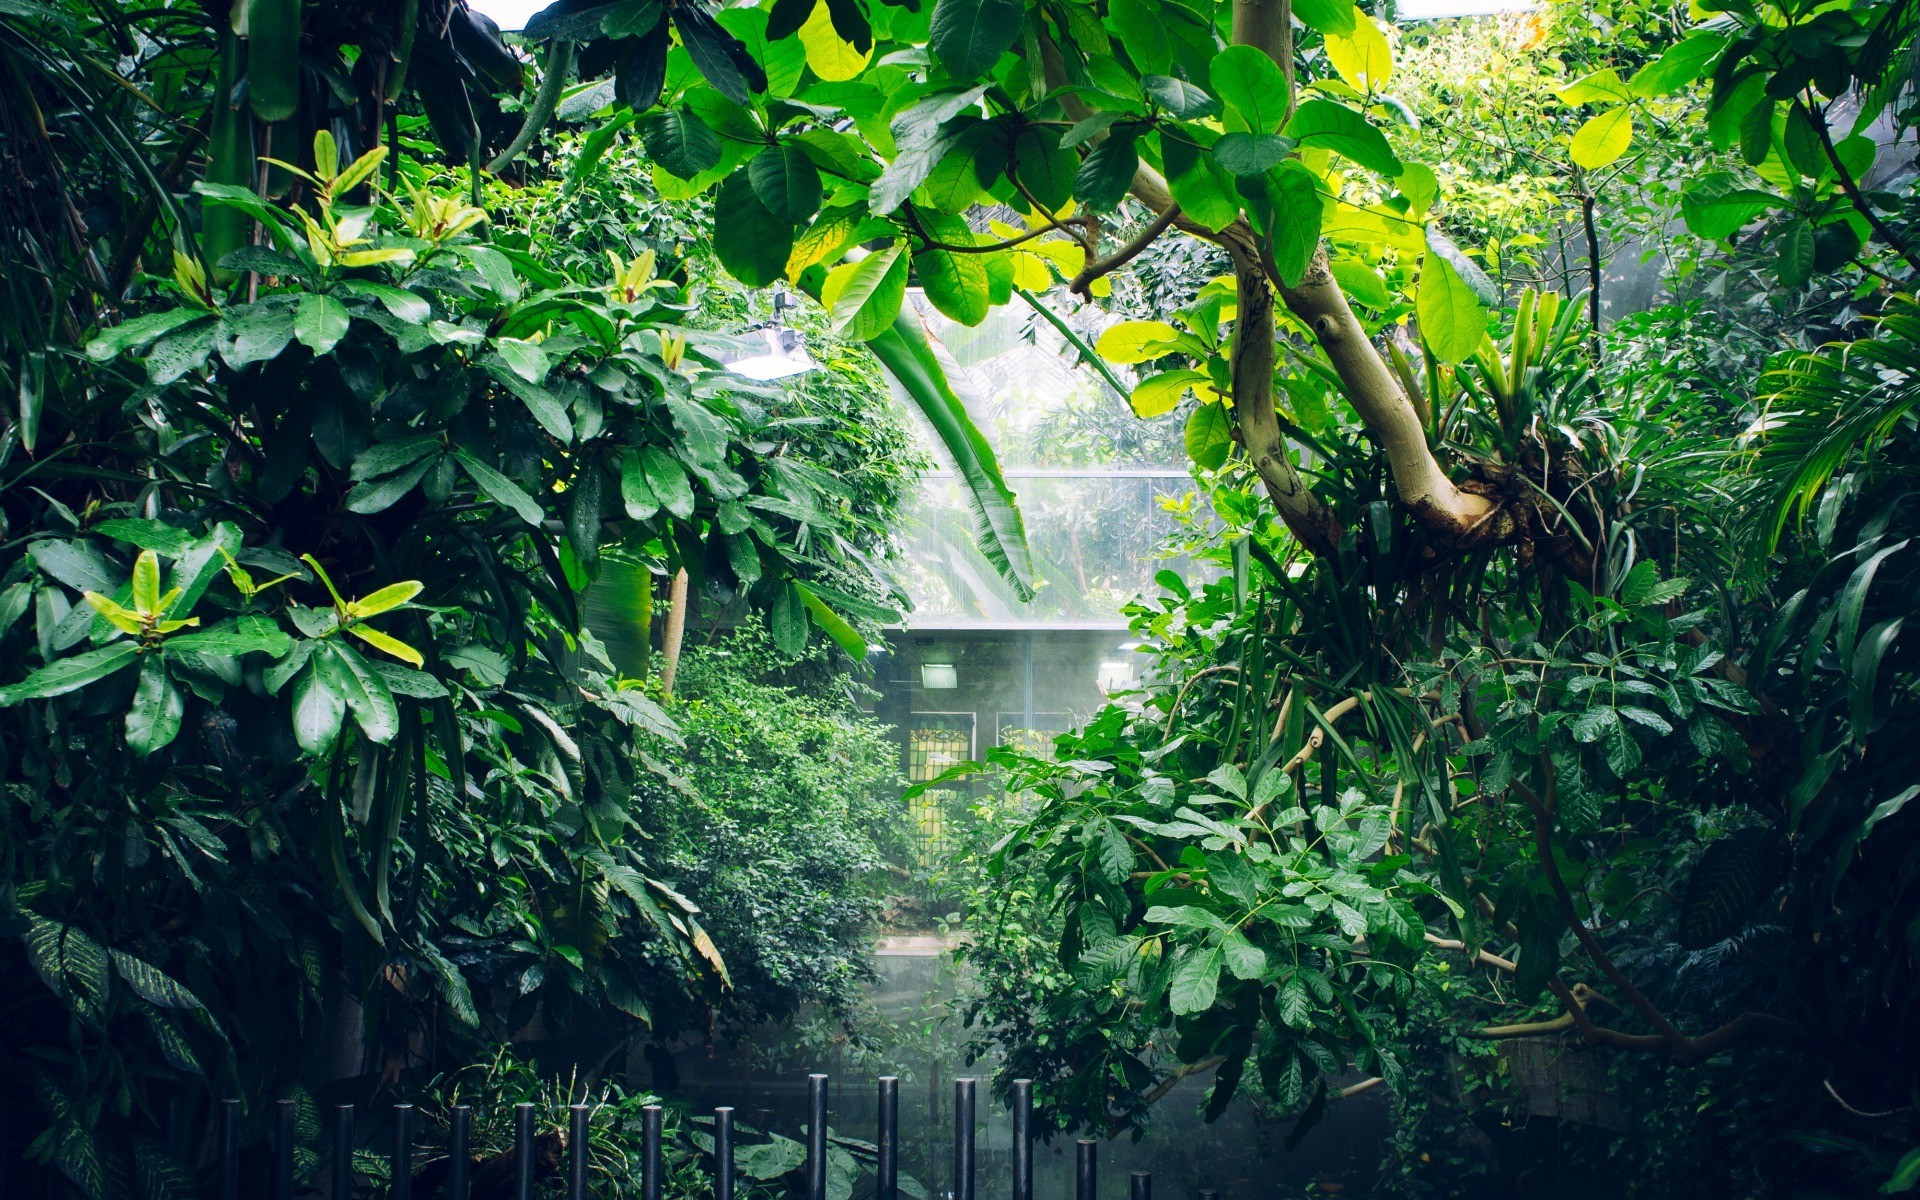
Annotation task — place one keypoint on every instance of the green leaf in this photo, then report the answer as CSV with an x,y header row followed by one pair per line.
x,y
1043,166
378,495
70,674
969,36
1243,958
1179,98
152,984
786,182
955,283
1196,981
1346,133
680,141
1295,195
79,565
1727,885
1252,87
1601,87
787,622
1328,16
864,297
132,335
320,322
1452,319
366,693
753,241
1251,153
1106,174
244,635
999,533
403,304
1603,138
1202,189
1161,394
154,719
545,407
636,495
1681,64
499,488
918,155
668,481
1209,436
1795,250
319,705
835,625
1716,206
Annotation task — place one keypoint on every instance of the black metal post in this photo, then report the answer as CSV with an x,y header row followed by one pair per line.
x,y
1023,1139
283,1136
1142,1187
963,1095
577,1150
1086,1169
459,1142
342,1150
723,1153
523,1152
816,1137
652,1161
887,1140
229,1150
400,1158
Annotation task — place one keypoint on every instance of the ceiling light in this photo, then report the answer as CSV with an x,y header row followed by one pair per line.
x,y
939,677
1115,677
779,355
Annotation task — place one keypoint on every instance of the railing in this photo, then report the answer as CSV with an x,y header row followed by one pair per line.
x,y
652,1163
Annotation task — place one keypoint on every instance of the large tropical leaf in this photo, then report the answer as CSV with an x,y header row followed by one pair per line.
x,y
917,365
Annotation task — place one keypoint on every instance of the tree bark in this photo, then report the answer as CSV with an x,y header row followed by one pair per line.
x,y
675,635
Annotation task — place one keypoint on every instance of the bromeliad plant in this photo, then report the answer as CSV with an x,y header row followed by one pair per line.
x,y
327,591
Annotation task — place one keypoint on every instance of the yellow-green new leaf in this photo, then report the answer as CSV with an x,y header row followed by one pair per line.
x,y
1135,341
865,297
387,642
1603,138
1161,394
1452,319
1362,57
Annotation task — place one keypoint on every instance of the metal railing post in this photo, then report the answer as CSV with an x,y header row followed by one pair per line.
x,y
459,1142
723,1153
816,1137
1141,1187
963,1113
652,1160
886,1165
283,1136
1023,1139
523,1152
400,1154
1086,1169
229,1136
577,1151
342,1150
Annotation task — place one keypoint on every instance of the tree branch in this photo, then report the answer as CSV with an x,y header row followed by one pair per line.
x,y
1124,255
1852,189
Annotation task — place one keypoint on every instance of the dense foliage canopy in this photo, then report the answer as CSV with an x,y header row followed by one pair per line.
x,y
367,369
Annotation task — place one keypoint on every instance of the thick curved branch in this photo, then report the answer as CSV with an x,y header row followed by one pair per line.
x,y
1124,255
558,67
1305,515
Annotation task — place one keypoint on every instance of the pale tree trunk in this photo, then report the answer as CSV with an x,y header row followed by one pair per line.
x,y
675,634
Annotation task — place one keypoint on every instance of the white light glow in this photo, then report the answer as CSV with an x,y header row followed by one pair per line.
x,y
1115,677
510,15
1433,10
939,677
784,356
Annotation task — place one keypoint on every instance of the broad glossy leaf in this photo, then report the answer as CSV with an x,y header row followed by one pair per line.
x,y
680,141
969,36
1346,133
1253,89
319,705
836,626
1179,98
244,635
786,182
1209,438
1452,319
499,488
1361,55
1107,173
154,719
668,481
1716,206
865,296
1162,393
1295,226
753,241
1196,981
70,674
365,691
320,322
1603,138
1251,153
